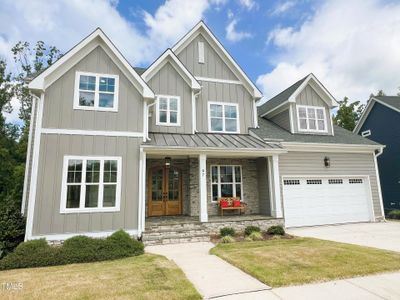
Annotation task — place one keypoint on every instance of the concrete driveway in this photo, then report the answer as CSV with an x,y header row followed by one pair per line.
x,y
385,235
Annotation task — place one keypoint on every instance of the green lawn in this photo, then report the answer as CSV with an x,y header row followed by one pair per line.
x,y
142,277
304,260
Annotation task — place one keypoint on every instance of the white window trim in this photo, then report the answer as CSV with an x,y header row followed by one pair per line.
x,y
96,92
311,130
366,133
82,209
219,181
168,115
223,116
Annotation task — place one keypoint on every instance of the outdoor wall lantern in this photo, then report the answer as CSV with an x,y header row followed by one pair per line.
x,y
327,162
167,162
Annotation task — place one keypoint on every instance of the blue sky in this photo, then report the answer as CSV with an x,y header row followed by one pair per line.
x,y
351,46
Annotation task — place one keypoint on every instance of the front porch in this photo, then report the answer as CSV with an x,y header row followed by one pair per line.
x,y
184,183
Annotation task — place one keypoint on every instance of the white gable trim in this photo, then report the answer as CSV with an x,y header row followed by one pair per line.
x,y
39,83
235,68
331,100
368,109
169,56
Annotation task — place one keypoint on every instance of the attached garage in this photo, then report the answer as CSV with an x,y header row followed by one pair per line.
x,y
309,201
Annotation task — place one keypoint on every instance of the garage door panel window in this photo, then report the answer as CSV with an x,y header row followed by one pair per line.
x,y
355,180
311,118
335,181
314,181
226,181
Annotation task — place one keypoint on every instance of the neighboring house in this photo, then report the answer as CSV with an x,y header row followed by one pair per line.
x,y
380,122
112,146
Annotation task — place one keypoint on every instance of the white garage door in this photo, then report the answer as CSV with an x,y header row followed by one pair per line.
x,y
318,201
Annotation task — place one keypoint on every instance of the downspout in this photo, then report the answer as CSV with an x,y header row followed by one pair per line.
x,y
147,120
194,119
376,154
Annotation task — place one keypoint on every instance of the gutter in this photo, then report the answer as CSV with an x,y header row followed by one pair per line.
x,y
147,119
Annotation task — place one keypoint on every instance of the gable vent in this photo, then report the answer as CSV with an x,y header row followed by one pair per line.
x,y
201,52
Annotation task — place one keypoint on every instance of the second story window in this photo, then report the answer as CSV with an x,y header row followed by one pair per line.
x,y
96,91
223,117
168,110
311,118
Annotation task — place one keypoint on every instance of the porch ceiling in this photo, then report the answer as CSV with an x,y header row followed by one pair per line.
x,y
210,142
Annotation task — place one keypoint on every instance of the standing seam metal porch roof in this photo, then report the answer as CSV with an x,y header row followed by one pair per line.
x,y
209,140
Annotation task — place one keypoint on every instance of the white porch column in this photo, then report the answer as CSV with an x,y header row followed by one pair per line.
x,y
203,188
276,200
142,192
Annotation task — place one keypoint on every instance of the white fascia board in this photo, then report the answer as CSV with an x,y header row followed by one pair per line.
x,y
364,115
332,101
268,113
160,62
326,147
178,47
38,83
212,151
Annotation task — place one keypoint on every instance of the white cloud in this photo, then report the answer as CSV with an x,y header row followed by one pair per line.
x,y
64,23
13,116
248,4
351,46
283,7
233,35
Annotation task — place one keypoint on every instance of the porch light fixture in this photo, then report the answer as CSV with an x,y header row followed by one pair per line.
x,y
327,162
167,162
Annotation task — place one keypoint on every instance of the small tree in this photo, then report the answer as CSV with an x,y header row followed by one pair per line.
x,y
348,114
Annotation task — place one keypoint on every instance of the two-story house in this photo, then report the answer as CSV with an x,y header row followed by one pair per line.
x,y
380,122
112,146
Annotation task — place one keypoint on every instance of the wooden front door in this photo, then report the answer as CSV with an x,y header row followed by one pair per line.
x,y
165,191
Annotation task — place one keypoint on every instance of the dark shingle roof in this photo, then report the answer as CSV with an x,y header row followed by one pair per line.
x,y
140,71
209,140
393,101
269,130
280,98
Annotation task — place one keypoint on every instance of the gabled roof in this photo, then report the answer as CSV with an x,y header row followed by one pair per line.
x,y
290,94
201,27
169,56
392,102
268,130
93,40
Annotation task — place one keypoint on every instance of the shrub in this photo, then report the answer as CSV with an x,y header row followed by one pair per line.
x,y
276,230
394,214
35,253
12,229
250,229
227,239
255,236
78,249
227,231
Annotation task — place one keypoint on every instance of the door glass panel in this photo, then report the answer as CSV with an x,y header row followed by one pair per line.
x,y
173,185
157,184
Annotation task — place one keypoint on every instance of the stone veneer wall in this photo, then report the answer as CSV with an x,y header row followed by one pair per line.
x,y
182,164
249,185
213,227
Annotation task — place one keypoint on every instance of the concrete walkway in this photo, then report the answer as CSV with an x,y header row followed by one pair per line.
x,y
385,235
212,276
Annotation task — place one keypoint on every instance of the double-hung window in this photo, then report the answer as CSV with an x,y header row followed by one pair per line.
x,y
91,184
311,118
96,91
168,112
226,181
223,117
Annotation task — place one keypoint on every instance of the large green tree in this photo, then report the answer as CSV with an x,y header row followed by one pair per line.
x,y
348,114
28,61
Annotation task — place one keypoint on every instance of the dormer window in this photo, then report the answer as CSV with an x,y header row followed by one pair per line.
x,y
311,118
168,110
96,91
